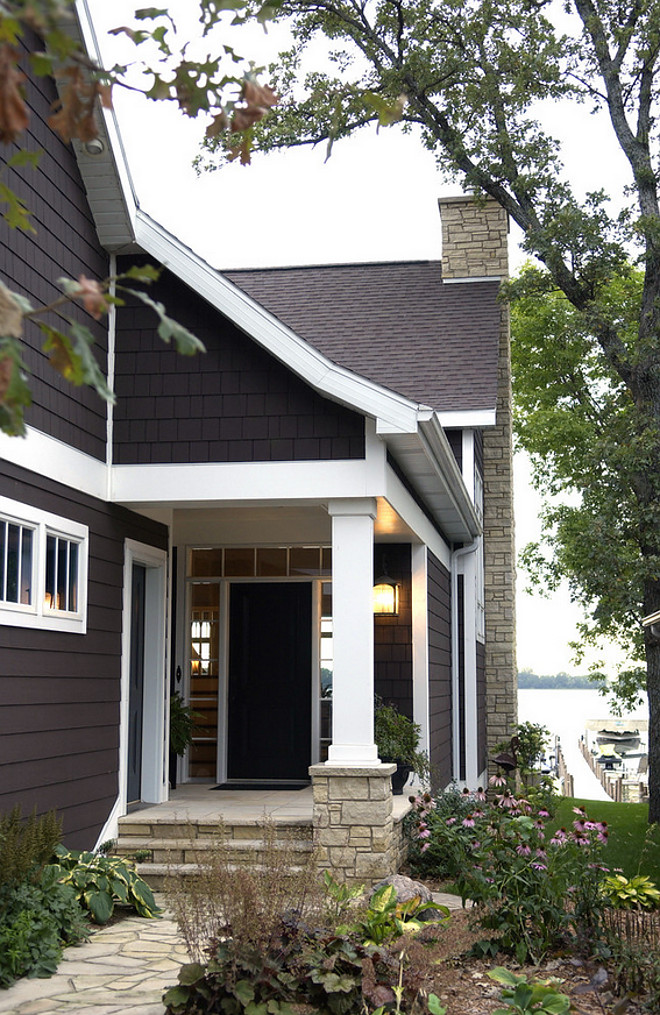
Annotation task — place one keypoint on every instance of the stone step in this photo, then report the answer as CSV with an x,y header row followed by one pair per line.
x,y
132,827
191,851
157,875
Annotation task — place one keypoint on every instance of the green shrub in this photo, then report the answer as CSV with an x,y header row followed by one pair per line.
x,y
631,893
38,917
100,882
538,997
530,889
26,844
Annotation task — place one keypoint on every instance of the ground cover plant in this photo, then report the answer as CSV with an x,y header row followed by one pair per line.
x,y
38,915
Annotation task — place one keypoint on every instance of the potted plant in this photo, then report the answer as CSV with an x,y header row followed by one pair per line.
x,y
182,725
397,739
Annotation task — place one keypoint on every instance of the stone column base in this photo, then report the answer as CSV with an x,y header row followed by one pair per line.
x,y
353,825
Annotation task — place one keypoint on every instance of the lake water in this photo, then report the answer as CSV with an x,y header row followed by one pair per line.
x,y
565,713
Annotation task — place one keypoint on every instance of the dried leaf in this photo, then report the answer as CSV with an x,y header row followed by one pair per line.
x,y
92,296
73,113
13,111
6,371
11,316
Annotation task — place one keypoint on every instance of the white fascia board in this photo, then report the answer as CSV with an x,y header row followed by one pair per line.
x,y
49,457
473,418
245,482
410,512
398,413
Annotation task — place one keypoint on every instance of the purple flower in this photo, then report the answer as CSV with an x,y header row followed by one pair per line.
x,y
538,866
468,821
523,850
497,780
543,813
424,847
450,821
424,833
480,795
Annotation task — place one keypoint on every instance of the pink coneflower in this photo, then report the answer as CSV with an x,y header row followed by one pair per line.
x,y
424,833
506,800
480,795
559,838
466,791
523,850
497,780
468,821
581,811
450,821
543,813
535,865
424,847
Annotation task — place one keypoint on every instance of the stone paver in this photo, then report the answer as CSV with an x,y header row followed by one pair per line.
x,y
123,970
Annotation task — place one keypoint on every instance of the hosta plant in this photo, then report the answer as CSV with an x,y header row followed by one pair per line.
x,y
100,882
631,893
538,997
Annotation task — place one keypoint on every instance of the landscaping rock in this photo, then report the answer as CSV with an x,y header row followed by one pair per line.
x,y
406,889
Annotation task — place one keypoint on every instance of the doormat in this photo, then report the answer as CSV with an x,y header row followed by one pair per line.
x,y
264,785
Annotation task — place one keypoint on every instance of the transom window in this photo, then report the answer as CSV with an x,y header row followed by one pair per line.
x,y
43,569
259,561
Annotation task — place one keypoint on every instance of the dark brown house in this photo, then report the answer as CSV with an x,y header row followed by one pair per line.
x,y
219,531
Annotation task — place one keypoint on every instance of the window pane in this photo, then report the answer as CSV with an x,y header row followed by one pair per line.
x,y
26,567
204,668
51,571
271,561
304,560
13,562
206,562
326,560
239,562
62,573
73,577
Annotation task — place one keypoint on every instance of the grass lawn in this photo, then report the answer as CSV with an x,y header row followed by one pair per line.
x,y
633,845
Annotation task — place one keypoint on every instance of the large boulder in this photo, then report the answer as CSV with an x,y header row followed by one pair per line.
x,y
406,889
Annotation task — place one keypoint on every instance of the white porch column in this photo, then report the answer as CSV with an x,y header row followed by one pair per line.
x,y
353,633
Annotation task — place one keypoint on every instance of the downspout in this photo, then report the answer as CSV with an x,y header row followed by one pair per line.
x,y
463,551
110,407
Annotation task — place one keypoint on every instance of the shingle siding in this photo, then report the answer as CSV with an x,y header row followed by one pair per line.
x,y
65,244
234,403
59,724
440,696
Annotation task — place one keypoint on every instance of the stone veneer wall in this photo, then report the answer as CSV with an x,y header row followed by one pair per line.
x,y
474,245
354,830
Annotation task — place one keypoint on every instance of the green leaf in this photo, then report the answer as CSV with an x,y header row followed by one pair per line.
x,y
505,976
244,991
190,973
25,158
434,1005
186,343
100,905
17,215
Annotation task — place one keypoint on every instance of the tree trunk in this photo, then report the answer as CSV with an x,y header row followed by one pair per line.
x,y
653,691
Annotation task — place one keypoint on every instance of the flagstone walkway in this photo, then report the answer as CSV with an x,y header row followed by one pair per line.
x,y
123,969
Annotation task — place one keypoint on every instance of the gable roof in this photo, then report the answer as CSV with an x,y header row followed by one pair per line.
x,y
396,323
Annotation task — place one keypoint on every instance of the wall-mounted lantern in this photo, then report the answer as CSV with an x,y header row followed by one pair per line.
x,y
386,595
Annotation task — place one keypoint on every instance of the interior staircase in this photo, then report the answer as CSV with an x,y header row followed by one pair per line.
x,y
166,847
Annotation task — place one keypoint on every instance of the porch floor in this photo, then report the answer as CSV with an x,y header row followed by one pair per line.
x,y
201,802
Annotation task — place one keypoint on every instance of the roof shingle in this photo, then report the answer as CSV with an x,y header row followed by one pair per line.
x,y
394,323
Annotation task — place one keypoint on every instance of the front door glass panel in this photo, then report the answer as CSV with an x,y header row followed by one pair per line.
x,y
204,670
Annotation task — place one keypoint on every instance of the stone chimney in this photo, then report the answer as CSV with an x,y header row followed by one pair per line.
x,y
474,247
474,238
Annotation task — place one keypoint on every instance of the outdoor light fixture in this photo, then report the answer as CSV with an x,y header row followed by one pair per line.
x,y
386,595
95,146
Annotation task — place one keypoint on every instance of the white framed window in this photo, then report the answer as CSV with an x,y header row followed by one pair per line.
x,y
43,569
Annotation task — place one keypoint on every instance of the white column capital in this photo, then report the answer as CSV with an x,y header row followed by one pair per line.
x,y
353,506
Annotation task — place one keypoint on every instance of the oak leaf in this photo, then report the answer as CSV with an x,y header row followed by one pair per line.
x,y
91,294
11,317
13,111
73,113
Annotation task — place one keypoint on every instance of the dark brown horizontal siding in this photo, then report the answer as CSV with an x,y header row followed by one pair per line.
x,y
59,692
440,696
65,244
393,676
234,403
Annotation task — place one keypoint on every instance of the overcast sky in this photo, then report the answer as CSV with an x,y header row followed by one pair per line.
x,y
374,200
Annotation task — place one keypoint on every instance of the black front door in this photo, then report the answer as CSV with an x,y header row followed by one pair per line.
x,y
270,681
136,688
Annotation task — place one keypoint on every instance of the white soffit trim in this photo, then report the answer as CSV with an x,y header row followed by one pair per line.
x,y
398,413
49,457
230,483
472,418
407,508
